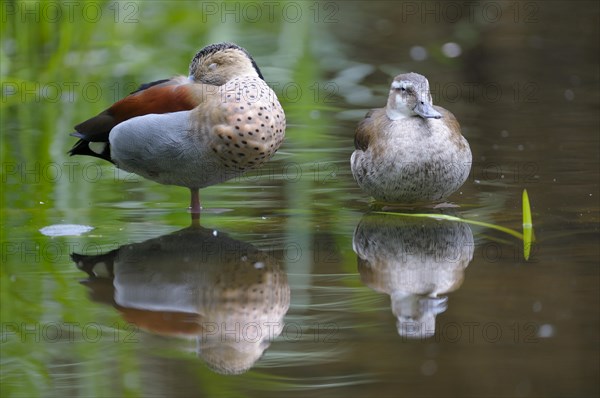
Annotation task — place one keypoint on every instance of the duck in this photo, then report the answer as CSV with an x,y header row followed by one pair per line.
x,y
411,151
191,131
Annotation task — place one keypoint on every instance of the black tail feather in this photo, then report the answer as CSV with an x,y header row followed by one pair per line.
x,y
82,147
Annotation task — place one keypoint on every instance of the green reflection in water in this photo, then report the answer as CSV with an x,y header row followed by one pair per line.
x,y
59,72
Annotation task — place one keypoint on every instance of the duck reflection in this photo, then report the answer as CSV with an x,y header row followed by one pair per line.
x,y
199,283
414,261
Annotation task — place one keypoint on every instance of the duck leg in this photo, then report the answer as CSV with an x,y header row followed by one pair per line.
x,y
195,207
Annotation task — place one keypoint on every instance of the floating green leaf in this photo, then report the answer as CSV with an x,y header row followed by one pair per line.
x,y
527,226
509,231
527,236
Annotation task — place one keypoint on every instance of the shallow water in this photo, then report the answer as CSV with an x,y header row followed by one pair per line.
x,y
294,283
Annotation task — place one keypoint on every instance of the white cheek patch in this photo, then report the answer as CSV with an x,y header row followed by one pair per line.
x,y
399,102
97,147
401,105
400,111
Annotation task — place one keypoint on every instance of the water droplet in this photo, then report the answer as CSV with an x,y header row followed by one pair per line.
x,y
451,50
215,232
545,331
259,265
418,53
569,95
429,367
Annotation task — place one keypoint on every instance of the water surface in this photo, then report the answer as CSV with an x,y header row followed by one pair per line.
x,y
293,285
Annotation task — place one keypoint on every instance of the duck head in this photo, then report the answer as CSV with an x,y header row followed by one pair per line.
x,y
216,64
410,96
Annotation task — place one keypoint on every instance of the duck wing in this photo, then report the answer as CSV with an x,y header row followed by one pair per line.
x,y
162,96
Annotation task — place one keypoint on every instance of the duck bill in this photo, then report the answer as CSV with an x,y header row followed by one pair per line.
x,y
426,110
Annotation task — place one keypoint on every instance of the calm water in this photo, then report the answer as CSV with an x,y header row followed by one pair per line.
x,y
294,285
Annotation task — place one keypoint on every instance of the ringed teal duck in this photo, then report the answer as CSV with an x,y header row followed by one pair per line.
x,y
410,151
192,131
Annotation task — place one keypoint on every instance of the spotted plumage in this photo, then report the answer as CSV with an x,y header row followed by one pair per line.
x,y
196,283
